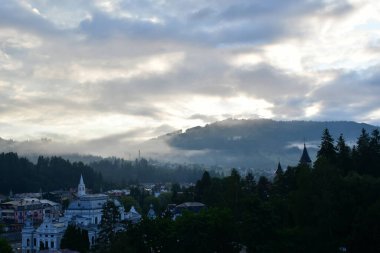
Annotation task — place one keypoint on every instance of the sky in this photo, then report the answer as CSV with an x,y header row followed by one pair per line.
x,y
105,73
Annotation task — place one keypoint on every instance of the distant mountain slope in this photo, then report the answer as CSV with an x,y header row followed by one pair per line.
x,y
256,143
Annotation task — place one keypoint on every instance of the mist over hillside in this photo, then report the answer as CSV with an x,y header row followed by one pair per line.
x,y
255,143
251,143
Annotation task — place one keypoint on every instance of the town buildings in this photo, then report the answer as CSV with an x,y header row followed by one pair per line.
x,y
84,212
14,213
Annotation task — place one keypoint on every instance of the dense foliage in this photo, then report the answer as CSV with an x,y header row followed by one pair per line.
x,y
75,239
108,224
209,231
5,247
333,206
20,175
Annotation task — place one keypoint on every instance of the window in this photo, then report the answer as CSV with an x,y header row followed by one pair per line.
x,y
28,242
35,242
52,245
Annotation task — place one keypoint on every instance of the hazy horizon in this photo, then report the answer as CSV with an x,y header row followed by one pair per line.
x,y
109,74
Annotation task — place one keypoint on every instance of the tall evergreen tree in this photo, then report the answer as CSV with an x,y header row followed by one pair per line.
x,y
278,181
202,187
374,146
374,142
327,149
363,153
75,239
249,182
263,188
110,219
344,161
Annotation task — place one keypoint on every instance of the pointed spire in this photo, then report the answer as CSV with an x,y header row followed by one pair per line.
x,y
305,158
81,187
279,170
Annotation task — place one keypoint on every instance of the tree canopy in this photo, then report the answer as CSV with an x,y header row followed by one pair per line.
x,y
330,207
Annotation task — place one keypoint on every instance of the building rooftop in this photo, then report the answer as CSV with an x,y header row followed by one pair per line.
x,y
305,158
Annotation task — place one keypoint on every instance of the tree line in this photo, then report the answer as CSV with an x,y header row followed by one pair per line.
x,y
18,174
332,206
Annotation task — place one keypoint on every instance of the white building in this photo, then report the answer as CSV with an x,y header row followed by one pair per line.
x,y
87,209
47,236
84,212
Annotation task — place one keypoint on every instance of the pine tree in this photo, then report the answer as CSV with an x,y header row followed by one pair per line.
x,y
327,149
110,219
75,238
202,187
278,181
249,182
344,161
363,142
263,188
374,146
363,153
374,142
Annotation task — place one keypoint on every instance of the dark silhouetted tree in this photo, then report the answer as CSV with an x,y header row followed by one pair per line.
x,y
108,225
75,239
5,247
343,157
327,149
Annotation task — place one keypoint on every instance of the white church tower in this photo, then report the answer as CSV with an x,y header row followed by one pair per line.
x,y
81,187
28,243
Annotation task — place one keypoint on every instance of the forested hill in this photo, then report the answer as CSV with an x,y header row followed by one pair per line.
x,y
20,175
256,143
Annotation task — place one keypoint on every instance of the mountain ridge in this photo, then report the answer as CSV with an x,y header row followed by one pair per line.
x,y
250,143
258,142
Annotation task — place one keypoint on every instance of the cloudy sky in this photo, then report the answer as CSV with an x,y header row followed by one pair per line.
x,y
104,71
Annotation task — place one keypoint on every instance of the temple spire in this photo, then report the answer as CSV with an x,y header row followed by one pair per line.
x,y
305,158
